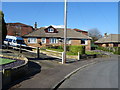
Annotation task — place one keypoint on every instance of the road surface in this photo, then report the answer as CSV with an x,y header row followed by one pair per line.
x,y
100,75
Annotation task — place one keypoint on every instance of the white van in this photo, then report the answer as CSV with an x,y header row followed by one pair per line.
x,y
14,41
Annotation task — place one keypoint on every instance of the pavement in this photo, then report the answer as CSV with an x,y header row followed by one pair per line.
x,y
49,71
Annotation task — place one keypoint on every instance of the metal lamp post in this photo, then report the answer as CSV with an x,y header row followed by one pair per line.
x,y
65,31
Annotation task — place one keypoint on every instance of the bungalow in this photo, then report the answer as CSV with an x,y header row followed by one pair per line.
x,y
54,36
112,40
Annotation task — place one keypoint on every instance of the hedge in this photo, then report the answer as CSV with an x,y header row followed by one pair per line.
x,y
72,49
76,49
115,50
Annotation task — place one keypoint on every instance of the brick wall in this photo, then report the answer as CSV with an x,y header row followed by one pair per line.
x,y
88,47
73,42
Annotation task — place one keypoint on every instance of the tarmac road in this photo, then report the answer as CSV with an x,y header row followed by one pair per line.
x,y
99,75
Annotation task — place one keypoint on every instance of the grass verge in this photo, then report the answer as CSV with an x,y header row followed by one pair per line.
x,y
5,61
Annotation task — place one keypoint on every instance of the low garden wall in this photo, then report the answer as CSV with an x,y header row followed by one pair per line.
x,y
13,73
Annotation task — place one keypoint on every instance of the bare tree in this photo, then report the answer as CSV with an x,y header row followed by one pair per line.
x,y
95,34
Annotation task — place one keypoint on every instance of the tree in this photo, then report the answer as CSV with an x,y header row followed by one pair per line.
x,y
3,28
95,34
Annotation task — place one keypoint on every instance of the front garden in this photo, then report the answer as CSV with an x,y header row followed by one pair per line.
x,y
72,50
6,61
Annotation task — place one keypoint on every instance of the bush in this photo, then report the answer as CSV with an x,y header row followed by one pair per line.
x,y
115,50
60,47
76,49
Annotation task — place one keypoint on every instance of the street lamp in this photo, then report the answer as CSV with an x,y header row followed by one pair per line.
x,y
65,31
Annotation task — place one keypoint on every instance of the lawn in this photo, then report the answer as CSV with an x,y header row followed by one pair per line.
x,y
5,61
70,53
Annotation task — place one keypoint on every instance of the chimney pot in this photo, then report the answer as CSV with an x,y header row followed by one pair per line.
x,y
105,34
35,25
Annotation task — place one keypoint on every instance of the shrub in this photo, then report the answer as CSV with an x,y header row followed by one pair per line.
x,y
76,49
117,51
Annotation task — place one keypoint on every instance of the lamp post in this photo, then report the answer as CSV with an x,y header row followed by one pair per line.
x,y
65,31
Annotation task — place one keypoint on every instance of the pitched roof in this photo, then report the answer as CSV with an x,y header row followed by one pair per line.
x,y
112,38
19,29
80,30
18,24
70,34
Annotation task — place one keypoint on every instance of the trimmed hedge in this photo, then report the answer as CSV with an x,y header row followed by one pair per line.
x,y
71,49
76,49
115,50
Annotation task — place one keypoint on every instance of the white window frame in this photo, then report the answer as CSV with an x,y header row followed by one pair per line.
x,y
30,40
68,41
53,40
43,40
50,30
86,42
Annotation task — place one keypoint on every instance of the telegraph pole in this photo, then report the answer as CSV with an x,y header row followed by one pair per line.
x,y
65,31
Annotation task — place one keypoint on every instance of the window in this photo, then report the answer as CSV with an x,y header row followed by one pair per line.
x,y
53,40
83,41
86,42
32,40
6,39
20,41
43,40
68,41
50,30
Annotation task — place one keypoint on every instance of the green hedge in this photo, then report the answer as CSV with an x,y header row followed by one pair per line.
x,y
76,49
115,50
70,49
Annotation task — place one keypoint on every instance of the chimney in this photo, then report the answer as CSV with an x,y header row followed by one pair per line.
x,y
105,34
35,25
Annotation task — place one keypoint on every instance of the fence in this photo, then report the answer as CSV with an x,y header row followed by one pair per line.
x,y
51,53
26,48
59,55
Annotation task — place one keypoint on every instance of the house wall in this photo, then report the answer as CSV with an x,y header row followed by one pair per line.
x,y
73,42
103,45
33,44
111,45
118,45
88,47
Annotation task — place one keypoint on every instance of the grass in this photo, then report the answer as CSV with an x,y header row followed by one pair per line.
x,y
71,53
5,61
59,50
92,52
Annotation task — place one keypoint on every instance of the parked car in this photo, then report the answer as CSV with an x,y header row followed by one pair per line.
x,y
14,41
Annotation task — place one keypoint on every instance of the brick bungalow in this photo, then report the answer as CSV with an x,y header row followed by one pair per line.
x,y
18,29
54,36
111,40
